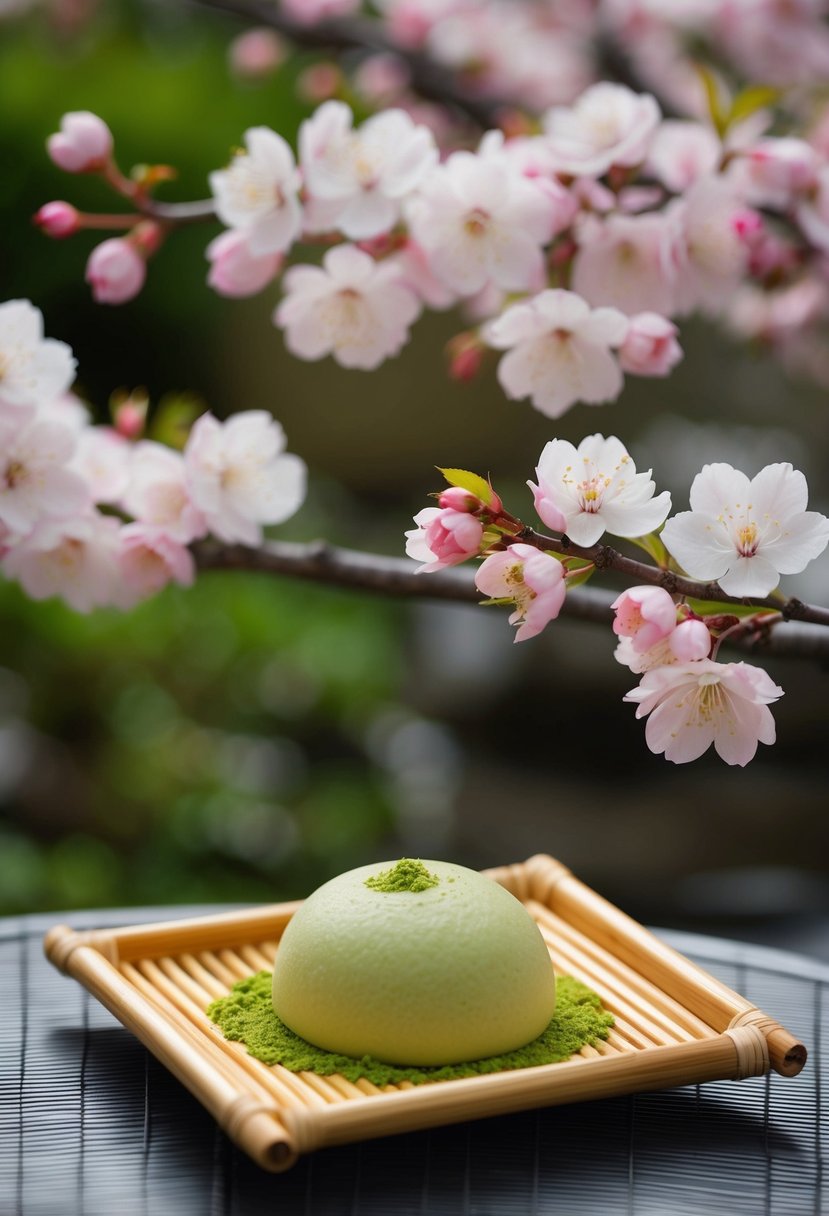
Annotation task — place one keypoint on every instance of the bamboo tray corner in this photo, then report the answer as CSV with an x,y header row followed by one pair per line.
x,y
674,1023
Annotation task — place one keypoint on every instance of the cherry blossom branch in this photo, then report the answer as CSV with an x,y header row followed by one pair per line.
x,y
604,557
428,78
321,562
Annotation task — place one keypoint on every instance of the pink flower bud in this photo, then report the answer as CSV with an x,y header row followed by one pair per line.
x,y
319,82
458,499
454,536
83,144
644,614
234,270
115,271
690,641
747,224
650,347
465,364
257,53
58,219
130,418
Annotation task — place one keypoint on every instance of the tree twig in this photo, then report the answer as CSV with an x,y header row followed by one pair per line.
x,y
429,79
395,576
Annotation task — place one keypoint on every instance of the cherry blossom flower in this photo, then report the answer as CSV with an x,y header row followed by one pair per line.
x,y
746,533
681,152
149,559
812,211
533,580
33,369
650,347
596,488
711,254
115,271
353,308
157,493
690,641
777,170
692,705
72,558
240,476
258,192
83,144
257,53
363,176
443,537
608,125
102,460
481,220
626,262
658,655
646,615
34,480
234,270
559,351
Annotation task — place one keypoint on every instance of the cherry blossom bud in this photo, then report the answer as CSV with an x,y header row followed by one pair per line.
x,y
443,538
457,499
646,615
466,354
320,82
234,270
115,271
746,223
130,416
690,641
256,54
650,347
83,144
58,219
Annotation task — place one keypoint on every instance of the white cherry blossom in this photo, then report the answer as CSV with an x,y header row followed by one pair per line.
x,y
157,493
626,261
240,476
351,307
33,369
692,705
73,558
102,460
35,482
257,193
559,351
361,177
608,125
710,253
481,220
746,533
596,488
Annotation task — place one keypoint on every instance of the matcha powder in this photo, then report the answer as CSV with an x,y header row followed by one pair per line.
x,y
406,875
246,1015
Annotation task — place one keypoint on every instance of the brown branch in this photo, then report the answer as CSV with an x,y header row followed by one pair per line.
x,y
604,557
428,78
395,576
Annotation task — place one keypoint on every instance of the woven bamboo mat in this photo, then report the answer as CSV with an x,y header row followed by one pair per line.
x,y
91,1125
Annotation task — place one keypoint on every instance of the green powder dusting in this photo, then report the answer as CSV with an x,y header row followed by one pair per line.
x,y
406,875
246,1015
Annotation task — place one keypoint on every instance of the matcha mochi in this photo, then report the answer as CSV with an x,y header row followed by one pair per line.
x,y
415,963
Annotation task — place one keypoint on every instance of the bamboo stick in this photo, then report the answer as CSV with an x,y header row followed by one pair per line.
x,y
700,992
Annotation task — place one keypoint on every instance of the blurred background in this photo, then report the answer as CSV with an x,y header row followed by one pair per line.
x,y
252,737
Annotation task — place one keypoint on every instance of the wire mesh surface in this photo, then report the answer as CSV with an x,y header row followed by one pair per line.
x,y
91,1124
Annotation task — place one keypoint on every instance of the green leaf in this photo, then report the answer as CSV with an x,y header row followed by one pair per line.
x,y
714,608
654,548
718,107
749,101
469,481
581,576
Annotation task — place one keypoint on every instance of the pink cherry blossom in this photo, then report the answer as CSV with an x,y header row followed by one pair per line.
x,y
646,615
240,476
34,479
608,125
690,641
626,261
258,193
681,152
692,705
443,537
417,275
650,347
363,176
149,559
115,271
351,307
559,351
812,211
257,53
58,219
71,558
83,144
234,270
533,580
102,460
157,494
33,369
658,655
710,251
779,169
480,220
746,533
596,488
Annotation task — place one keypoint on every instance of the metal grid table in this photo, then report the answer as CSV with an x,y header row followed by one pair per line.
x,y
91,1124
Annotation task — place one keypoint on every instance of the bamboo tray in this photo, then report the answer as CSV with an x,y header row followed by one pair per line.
x,y
674,1023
